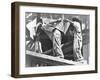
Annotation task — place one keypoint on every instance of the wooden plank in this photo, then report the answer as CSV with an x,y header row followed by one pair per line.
x,y
49,59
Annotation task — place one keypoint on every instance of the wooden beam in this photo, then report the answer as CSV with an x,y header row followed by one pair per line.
x,y
53,61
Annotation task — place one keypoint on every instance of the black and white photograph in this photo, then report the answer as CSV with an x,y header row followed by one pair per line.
x,y
56,39
51,39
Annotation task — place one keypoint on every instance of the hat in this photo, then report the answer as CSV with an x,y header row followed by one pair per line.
x,y
76,18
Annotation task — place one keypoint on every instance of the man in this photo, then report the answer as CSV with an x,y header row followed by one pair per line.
x,y
52,28
77,46
37,47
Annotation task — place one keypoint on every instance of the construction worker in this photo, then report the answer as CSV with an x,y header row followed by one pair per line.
x,y
77,42
53,29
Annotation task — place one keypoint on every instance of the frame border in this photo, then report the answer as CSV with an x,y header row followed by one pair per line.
x,y
15,38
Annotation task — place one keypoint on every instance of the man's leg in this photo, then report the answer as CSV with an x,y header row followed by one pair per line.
x,y
77,50
80,49
57,44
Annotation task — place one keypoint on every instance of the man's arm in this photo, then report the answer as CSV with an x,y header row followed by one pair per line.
x,y
55,21
67,20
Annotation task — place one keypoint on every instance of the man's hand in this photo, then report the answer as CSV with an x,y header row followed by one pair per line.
x,y
59,20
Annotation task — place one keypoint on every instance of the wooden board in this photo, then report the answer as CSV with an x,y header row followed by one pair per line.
x,y
42,58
